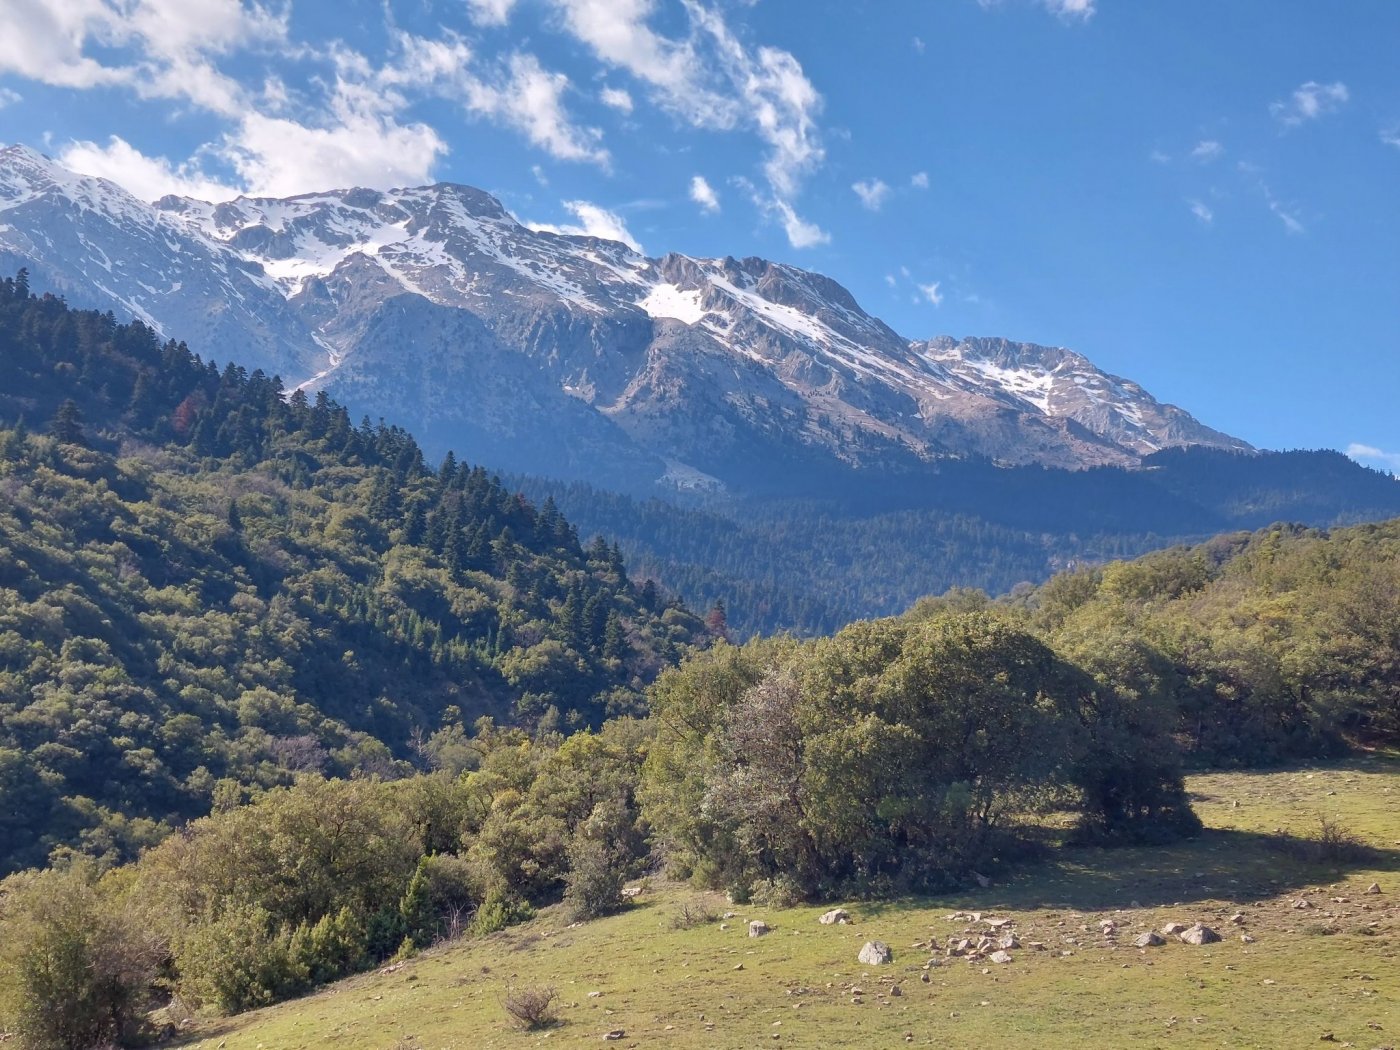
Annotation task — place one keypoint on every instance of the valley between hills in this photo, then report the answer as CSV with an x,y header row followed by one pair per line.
x,y
776,609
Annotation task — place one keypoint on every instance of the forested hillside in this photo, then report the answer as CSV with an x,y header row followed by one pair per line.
x,y
810,566
1266,646
205,586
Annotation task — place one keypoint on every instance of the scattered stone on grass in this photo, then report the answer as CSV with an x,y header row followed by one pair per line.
x,y
876,953
1174,929
835,917
1000,957
1150,940
1199,934
757,928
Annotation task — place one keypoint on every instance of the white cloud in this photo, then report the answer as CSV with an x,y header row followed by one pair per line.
x,y
278,157
8,97
1071,8
538,173
1207,150
520,93
703,194
146,177
800,232
1201,211
531,99
1309,102
932,293
616,98
1286,215
872,193
593,221
889,280
1375,457
1066,9
1159,157
919,44
919,180
490,12
712,79
44,40
1391,136
162,44
618,34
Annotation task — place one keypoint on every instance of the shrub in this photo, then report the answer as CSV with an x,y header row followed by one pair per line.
x,y
240,960
76,971
532,1008
690,914
497,912
593,887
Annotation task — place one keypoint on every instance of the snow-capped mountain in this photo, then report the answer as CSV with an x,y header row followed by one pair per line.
x,y
435,308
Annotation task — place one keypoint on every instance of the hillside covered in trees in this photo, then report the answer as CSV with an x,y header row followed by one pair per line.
x,y
811,565
206,586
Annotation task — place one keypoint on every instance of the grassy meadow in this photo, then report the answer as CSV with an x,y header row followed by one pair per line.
x,y
1327,973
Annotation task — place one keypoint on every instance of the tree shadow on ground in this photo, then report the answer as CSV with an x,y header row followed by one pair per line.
x,y
1225,865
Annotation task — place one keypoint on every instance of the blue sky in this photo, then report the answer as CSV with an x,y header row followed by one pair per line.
x,y
1201,196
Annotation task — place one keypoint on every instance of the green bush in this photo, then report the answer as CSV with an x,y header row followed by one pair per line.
x,y
240,960
76,970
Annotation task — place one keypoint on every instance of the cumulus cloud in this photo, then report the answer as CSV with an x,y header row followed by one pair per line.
x,y
872,193
593,221
703,194
1391,136
279,157
146,177
1374,457
932,293
1309,102
1201,211
344,116
8,97
157,47
617,99
919,180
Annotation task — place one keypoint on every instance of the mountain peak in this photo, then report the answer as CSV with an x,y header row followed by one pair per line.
x,y
411,303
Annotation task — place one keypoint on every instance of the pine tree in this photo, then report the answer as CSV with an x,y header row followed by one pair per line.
x,y
68,422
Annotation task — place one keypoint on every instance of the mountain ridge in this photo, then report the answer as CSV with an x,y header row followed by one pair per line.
x,y
584,357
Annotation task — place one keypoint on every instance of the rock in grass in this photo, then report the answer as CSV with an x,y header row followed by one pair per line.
x,y
1199,934
1000,957
876,953
1174,929
757,928
835,917
1150,940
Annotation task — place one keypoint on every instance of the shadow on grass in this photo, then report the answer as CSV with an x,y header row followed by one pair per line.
x,y
1219,864
1226,865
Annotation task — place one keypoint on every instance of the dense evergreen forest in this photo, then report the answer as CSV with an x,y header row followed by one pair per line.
x,y
206,586
809,566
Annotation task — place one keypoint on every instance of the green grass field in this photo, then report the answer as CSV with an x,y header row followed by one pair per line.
x,y
1325,974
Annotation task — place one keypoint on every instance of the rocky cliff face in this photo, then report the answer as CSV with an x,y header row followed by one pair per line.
x,y
571,356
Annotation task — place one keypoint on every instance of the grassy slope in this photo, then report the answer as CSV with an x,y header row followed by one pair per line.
x,y
683,988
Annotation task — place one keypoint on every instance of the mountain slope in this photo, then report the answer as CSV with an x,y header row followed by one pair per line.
x,y
592,360
203,585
